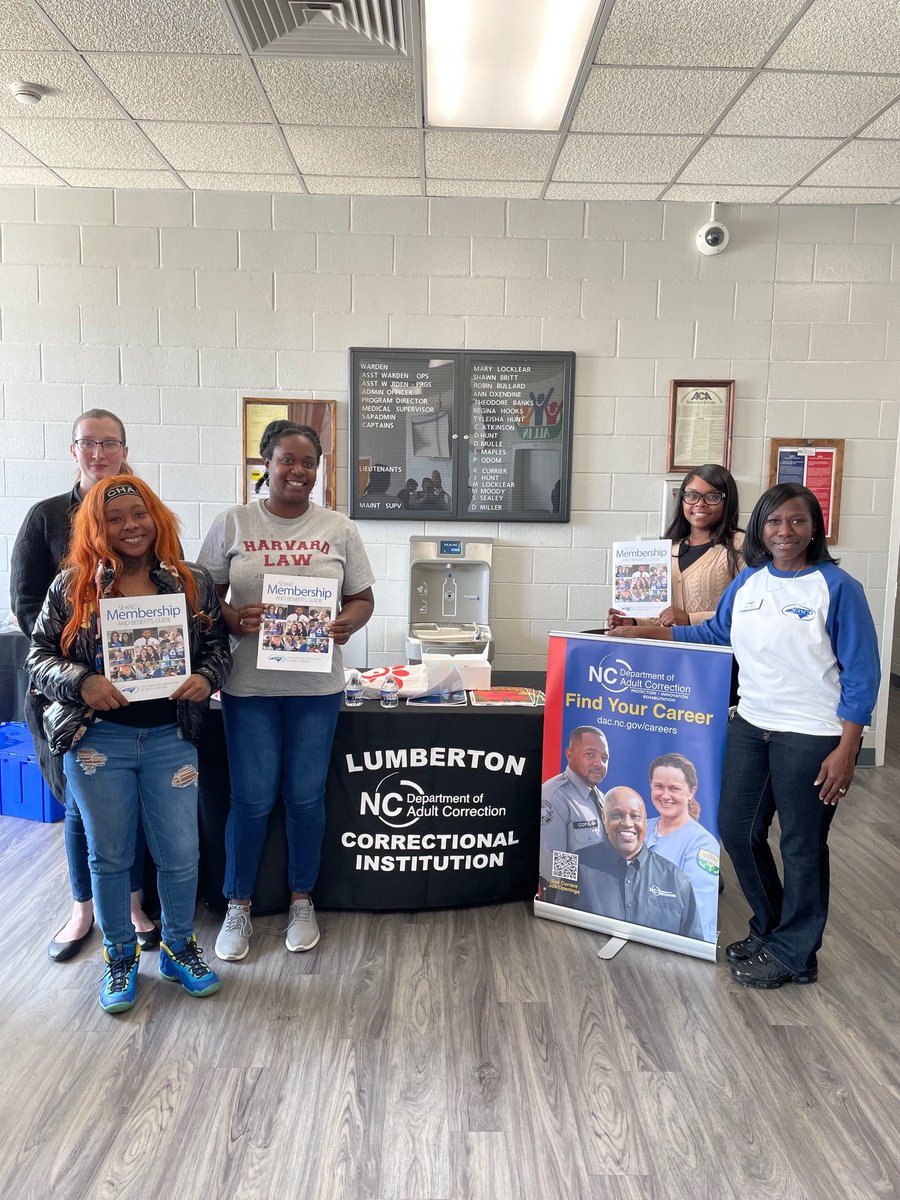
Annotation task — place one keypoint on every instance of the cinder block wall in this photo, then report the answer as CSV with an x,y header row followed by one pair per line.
x,y
168,306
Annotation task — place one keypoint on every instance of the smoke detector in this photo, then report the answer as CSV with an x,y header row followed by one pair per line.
x,y
26,93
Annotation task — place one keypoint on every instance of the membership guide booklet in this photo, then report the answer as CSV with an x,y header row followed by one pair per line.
x,y
296,619
642,577
146,651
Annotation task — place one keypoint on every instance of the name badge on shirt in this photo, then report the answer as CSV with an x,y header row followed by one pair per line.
x,y
750,605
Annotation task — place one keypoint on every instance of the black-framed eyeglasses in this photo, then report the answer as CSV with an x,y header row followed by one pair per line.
x,y
91,444
712,498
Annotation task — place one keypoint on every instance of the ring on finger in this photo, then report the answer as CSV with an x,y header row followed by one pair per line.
x,y
842,791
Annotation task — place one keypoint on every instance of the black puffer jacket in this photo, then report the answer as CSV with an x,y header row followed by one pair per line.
x,y
60,677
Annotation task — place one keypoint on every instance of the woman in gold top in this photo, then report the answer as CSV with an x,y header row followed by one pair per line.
x,y
706,548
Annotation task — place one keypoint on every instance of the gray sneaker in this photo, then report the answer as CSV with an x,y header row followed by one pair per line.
x,y
233,942
302,930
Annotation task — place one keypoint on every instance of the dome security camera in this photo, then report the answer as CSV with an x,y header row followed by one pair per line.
x,y
712,238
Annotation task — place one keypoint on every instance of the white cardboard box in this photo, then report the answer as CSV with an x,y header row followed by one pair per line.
x,y
474,671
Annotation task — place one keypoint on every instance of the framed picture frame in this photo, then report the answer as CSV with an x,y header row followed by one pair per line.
x,y
319,414
817,463
701,412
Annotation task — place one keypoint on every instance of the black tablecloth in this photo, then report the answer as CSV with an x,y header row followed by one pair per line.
x,y
425,808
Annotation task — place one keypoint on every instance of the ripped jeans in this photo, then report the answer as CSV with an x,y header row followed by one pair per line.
x,y
117,772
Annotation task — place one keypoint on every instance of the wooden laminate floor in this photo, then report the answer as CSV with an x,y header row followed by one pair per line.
x,y
460,1055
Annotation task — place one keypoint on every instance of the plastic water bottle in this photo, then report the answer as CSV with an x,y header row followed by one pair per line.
x,y
353,692
390,692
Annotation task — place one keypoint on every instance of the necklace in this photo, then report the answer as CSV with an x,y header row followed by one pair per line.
x,y
783,584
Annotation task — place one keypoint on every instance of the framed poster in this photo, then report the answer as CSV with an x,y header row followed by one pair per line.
x,y
454,435
817,463
701,412
319,414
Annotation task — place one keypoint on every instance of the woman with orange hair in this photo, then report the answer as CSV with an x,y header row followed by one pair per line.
x,y
126,758
100,448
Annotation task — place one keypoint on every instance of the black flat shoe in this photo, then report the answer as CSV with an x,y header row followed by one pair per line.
x,y
763,970
739,952
63,951
150,939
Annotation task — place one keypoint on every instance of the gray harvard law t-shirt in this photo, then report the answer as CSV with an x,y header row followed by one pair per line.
x,y
247,542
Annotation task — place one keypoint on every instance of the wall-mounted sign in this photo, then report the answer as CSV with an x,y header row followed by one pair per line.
x,y
817,463
701,412
475,436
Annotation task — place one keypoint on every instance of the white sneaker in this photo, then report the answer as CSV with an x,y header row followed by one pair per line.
x,y
302,930
233,942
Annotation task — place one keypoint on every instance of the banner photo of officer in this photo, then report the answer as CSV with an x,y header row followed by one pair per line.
x,y
634,738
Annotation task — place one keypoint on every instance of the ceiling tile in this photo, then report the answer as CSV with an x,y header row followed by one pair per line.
x,y
755,160
694,33
22,29
221,181
346,185
604,191
887,125
80,143
623,100
191,26
14,155
844,35
179,87
860,164
595,158
70,91
362,152
507,190
28,177
119,179
802,104
458,154
330,91
724,193
242,149
853,195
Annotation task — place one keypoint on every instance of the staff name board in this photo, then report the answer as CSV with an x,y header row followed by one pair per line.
x,y
475,436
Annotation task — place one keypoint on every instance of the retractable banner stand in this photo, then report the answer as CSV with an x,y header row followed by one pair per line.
x,y
634,737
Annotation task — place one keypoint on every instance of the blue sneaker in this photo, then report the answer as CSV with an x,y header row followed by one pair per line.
x,y
182,963
117,991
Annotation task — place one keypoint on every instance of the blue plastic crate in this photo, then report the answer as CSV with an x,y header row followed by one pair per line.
x,y
23,791
12,733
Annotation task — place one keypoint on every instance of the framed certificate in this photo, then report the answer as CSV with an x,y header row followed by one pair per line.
x,y
817,463
319,414
700,417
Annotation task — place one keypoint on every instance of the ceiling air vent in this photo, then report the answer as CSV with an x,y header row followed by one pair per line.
x,y
323,28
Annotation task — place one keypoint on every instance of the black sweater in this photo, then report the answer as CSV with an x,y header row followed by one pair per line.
x,y
40,547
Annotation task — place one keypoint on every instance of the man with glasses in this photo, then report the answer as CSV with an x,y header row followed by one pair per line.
x,y
100,450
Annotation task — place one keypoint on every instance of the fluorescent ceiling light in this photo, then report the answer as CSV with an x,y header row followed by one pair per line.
x,y
503,64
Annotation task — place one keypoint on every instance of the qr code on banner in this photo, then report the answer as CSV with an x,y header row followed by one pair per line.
x,y
565,866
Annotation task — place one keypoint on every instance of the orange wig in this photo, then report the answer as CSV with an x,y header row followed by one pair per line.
x,y
89,552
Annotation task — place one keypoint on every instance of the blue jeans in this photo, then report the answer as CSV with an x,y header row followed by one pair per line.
x,y
118,773
77,853
767,772
277,742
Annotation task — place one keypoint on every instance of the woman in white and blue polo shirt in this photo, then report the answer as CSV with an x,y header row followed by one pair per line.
x,y
807,654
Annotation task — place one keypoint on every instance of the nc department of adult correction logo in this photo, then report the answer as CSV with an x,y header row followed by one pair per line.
x,y
398,804
612,673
